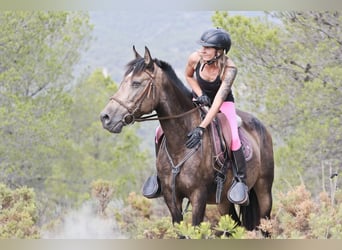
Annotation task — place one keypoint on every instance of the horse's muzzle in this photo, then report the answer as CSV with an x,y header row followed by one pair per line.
x,y
115,127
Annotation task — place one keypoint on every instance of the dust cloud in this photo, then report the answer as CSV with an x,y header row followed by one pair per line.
x,y
86,223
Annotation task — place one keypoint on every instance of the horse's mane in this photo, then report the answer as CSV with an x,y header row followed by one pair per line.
x,y
138,65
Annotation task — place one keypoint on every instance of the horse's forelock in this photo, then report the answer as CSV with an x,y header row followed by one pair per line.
x,y
137,65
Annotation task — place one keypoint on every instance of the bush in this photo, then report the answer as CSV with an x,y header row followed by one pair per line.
x,y
18,213
298,216
102,192
295,215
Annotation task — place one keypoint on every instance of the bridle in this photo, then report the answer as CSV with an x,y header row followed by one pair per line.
x,y
131,117
134,112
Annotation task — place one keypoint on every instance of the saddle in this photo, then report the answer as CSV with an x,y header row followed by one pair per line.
x,y
220,135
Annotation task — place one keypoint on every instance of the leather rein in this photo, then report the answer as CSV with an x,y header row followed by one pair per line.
x,y
131,117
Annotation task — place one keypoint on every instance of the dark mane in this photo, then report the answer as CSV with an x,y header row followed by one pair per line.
x,y
138,65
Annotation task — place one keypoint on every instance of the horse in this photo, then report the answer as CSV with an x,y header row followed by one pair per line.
x,y
152,86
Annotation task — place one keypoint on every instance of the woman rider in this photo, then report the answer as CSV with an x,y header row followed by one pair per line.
x,y
211,73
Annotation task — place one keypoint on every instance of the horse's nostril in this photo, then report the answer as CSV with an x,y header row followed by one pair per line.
x,y
104,118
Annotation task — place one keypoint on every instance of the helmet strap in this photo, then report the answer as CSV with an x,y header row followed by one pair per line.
x,y
211,61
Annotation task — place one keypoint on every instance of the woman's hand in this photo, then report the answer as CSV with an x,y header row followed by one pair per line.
x,y
194,137
204,99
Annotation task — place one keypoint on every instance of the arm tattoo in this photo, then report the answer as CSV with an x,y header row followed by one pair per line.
x,y
228,82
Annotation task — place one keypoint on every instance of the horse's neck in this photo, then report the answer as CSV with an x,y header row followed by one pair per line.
x,y
176,129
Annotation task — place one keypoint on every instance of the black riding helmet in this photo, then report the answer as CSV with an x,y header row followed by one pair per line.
x,y
216,38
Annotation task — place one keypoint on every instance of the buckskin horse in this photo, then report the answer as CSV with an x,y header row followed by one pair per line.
x,y
152,85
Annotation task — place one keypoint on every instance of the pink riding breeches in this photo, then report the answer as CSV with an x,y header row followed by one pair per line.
x,y
228,109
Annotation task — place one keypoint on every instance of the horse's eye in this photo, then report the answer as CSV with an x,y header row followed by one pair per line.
x,y
136,84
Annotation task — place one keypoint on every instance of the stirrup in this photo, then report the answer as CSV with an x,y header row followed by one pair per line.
x,y
151,188
238,194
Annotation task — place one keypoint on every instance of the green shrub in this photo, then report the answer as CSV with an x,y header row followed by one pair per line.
x,y
102,192
18,213
156,228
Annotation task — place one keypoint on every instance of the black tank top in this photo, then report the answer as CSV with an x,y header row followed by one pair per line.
x,y
211,88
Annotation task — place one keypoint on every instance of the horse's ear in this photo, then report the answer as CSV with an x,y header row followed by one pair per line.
x,y
137,55
147,57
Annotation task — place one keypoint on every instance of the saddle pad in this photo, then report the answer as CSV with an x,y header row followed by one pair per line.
x,y
246,145
226,136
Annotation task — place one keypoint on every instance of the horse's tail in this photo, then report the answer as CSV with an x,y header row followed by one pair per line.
x,y
250,214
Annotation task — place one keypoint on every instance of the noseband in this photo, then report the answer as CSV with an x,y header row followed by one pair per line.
x,y
134,112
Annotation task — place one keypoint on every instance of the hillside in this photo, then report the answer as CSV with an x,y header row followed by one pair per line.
x,y
170,36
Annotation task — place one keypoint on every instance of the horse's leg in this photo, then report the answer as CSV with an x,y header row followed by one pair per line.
x,y
264,194
175,207
198,202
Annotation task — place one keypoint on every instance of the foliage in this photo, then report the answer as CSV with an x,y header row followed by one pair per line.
x,y
297,207
137,207
38,52
102,191
140,204
51,136
295,215
18,213
228,227
187,231
142,220
298,216
160,228
327,223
